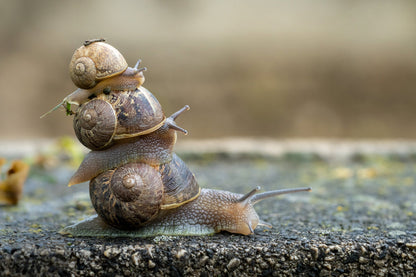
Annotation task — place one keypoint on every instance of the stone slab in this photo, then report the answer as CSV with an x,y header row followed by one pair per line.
x,y
359,219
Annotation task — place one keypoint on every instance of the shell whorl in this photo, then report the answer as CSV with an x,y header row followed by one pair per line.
x,y
95,124
84,73
93,62
116,116
128,196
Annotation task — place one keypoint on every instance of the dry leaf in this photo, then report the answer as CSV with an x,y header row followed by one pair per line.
x,y
12,187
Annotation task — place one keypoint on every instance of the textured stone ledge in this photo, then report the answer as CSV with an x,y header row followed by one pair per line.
x,y
360,219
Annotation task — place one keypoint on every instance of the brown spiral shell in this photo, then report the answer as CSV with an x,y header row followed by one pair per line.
x,y
135,193
95,124
116,116
180,185
93,62
128,196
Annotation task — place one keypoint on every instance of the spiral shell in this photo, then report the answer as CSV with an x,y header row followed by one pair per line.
x,y
93,62
116,116
95,124
135,193
129,196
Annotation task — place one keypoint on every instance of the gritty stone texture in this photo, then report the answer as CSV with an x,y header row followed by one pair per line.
x,y
359,219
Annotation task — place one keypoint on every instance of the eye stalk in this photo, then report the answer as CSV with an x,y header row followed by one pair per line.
x,y
170,121
139,69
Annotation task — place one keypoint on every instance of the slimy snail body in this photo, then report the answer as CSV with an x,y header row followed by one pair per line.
x,y
138,185
129,79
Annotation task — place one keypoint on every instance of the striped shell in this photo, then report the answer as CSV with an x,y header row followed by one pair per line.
x,y
95,61
117,115
134,194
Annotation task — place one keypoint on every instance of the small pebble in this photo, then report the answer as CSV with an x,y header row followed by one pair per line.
x,y
411,245
135,258
180,253
151,264
233,264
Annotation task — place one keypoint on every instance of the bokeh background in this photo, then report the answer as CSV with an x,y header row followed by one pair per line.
x,y
276,69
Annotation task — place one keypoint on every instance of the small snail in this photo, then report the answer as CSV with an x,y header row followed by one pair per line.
x,y
137,183
96,68
95,61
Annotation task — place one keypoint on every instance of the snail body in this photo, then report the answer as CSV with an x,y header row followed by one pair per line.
x,y
214,211
130,79
211,212
138,185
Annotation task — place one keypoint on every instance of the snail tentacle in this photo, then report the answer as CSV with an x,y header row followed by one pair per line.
x,y
264,195
170,121
245,199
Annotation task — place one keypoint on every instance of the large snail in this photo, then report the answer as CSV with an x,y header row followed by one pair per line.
x,y
137,183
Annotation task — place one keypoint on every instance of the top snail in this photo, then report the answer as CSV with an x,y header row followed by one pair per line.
x,y
97,67
95,61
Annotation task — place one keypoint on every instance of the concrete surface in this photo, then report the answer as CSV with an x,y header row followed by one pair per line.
x,y
359,220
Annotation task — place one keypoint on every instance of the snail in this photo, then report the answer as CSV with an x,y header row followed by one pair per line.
x,y
211,212
138,185
96,68
117,115
94,61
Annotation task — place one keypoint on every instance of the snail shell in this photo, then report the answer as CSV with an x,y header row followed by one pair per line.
x,y
95,61
131,195
117,115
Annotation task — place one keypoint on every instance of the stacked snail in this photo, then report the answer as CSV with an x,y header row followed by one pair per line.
x,y
136,180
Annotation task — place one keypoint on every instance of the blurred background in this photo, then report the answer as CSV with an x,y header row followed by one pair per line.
x,y
272,69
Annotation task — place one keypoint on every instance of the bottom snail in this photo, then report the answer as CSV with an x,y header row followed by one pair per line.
x,y
211,212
